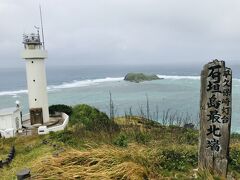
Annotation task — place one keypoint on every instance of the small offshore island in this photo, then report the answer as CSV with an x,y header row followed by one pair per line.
x,y
140,77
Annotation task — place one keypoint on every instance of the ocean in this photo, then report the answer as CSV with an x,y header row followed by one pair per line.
x,y
178,92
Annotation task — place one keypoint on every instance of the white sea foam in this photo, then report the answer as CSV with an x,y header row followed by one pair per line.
x,y
13,93
185,77
83,83
66,85
236,79
179,77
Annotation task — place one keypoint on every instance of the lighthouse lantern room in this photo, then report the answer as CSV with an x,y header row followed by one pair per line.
x,y
34,54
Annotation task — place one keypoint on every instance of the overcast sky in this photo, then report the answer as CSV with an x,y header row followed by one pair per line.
x,y
89,32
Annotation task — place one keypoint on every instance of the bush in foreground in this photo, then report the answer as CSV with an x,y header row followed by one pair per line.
x,y
178,160
92,119
60,108
121,140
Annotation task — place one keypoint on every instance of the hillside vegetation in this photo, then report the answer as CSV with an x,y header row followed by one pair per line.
x,y
126,148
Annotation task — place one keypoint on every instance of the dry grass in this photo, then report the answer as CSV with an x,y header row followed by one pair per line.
x,y
106,162
93,155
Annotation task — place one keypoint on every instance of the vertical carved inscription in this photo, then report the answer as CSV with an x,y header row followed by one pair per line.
x,y
215,117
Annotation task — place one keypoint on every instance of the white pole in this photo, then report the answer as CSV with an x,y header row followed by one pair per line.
x,y
42,26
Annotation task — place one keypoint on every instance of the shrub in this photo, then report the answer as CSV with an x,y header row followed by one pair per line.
x,y
92,118
65,136
190,136
178,160
121,141
60,108
235,136
235,159
141,138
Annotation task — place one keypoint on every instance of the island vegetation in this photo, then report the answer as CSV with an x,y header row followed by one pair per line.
x,y
95,146
140,77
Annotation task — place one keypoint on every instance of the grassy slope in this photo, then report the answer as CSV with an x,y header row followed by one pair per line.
x,y
28,149
152,152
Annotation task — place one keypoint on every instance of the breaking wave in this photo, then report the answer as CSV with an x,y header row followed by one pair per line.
x,y
89,82
83,83
12,93
179,77
66,85
185,77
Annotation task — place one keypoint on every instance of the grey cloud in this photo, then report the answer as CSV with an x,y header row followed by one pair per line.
x,y
124,31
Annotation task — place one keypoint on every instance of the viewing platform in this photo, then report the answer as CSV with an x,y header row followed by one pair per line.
x,y
57,122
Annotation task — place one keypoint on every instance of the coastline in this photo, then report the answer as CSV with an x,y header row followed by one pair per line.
x,y
178,93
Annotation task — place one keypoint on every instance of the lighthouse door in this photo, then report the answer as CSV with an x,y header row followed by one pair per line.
x,y
36,116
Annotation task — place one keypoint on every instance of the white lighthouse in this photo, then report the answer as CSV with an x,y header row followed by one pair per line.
x,y
34,54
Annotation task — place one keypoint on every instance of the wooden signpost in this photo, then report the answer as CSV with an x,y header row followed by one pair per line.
x,y
215,117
